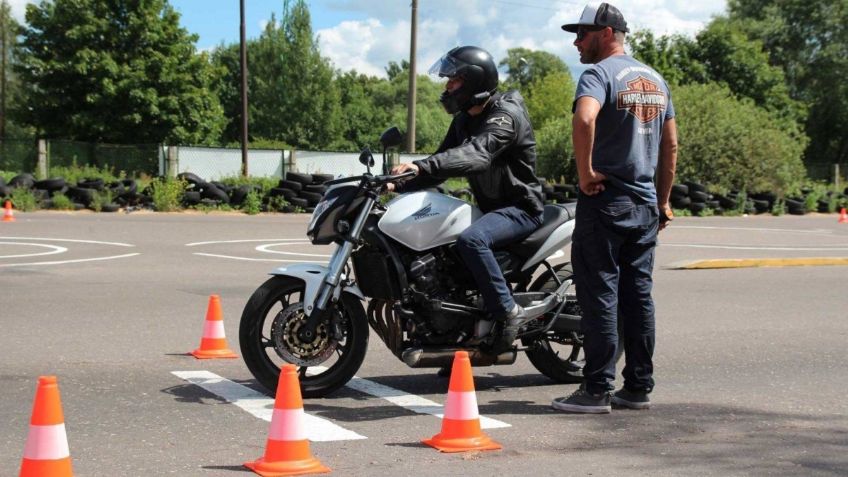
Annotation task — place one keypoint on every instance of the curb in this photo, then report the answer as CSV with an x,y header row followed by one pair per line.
x,y
757,263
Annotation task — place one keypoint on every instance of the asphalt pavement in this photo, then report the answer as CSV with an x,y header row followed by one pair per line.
x,y
750,363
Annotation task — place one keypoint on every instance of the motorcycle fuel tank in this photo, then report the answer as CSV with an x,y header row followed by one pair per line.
x,y
423,220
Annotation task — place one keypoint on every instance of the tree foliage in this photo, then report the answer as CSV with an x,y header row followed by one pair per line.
x,y
809,40
549,103
525,66
119,71
11,93
731,143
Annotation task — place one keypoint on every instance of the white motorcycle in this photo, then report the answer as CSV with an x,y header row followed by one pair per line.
x,y
400,261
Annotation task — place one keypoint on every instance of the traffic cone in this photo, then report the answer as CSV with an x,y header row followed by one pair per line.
x,y
46,452
287,449
8,216
843,217
461,423
213,344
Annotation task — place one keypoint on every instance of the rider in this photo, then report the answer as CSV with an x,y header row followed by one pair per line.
x,y
490,142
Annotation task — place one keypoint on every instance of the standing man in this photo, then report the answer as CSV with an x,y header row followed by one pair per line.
x,y
624,136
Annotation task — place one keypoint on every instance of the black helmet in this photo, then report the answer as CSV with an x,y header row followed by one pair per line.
x,y
478,71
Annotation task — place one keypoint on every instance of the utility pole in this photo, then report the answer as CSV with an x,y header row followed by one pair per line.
x,y
413,93
243,94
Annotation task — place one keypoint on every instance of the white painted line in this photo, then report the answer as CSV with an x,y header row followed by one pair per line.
x,y
411,402
755,229
761,247
264,248
255,259
194,244
261,406
54,249
117,244
69,261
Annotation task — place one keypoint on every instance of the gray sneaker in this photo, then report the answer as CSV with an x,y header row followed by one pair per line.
x,y
583,402
631,399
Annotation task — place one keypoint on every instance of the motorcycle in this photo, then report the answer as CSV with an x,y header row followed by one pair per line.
x,y
400,259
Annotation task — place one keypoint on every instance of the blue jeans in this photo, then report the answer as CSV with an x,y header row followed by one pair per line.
x,y
495,229
613,259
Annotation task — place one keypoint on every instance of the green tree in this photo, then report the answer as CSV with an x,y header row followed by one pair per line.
x,y
525,66
227,60
116,71
9,86
731,143
809,40
549,104
293,95
674,57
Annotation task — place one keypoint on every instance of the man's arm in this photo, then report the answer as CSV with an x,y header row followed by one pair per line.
x,y
583,136
666,167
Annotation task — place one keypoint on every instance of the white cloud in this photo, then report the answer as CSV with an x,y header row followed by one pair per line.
x,y
18,9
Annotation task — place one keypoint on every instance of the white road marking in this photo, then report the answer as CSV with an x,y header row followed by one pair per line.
x,y
255,259
755,229
54,249
264,248
117,244
194,244
261,406
411,402
761,247
62,262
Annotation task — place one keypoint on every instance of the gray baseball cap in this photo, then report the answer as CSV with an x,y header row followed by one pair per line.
x,y
599,14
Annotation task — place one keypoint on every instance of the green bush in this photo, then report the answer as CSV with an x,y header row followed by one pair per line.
x,y
74,173
62,202
277,204
727,143
554,151
24,200
101,198
167,194
252,204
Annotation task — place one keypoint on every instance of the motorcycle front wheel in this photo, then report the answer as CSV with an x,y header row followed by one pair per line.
x,y
560,356
268,339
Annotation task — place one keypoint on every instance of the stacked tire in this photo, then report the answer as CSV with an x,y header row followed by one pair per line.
x,y
302,191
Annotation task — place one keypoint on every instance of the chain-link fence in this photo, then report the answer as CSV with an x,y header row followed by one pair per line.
x,y
133,159
215,163
824,171
18,155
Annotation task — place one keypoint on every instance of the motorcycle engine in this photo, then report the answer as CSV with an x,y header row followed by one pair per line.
x,y
431,278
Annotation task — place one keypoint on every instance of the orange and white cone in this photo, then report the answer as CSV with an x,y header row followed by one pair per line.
x,y
46,451
843,216
8,216
287,449
461,423
213,344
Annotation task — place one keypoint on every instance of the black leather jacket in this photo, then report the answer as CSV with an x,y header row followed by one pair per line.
x,y
495,150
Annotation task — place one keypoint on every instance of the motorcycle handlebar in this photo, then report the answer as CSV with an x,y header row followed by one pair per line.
x,y
377,180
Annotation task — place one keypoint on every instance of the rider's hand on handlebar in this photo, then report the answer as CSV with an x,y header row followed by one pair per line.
x,y
389,187
401,168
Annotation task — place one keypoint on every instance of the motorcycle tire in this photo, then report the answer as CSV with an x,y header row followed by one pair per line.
x,y
541,352
269,303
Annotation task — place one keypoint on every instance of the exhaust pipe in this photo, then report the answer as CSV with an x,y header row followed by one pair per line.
x,y
441,357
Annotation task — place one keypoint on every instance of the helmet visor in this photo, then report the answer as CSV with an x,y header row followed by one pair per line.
x,y
446,66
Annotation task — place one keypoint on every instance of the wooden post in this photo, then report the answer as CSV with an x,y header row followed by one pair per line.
x,y
836,176
41,166
173,162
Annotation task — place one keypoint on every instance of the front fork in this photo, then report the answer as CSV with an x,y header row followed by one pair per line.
x,y
319,310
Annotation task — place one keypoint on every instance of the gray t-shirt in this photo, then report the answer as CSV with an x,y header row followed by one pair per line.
x,y
635,102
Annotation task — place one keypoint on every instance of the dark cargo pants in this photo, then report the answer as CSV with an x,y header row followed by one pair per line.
x,y
613,259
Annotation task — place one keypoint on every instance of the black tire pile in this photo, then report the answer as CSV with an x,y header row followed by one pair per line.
x,y
695,198
124,192
300,191
552,193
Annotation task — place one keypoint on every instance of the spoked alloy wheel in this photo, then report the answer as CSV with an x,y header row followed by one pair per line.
x,y
268,339
560,356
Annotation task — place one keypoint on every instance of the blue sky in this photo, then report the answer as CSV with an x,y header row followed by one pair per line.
x,y
366,34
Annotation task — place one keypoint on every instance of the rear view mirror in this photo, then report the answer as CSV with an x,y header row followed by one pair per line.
x,y
391,138
366,158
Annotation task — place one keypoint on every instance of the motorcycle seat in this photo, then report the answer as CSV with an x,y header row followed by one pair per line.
x,y
554,216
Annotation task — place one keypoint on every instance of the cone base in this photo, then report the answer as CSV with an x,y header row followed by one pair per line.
x,y
282,468
41,468
462,444
8,219
213,353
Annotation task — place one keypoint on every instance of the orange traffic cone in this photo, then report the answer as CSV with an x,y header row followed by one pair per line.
x,y
46,451
8,216
843,217
461,424
213,344
287,449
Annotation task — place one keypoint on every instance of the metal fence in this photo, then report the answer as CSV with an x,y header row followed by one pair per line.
x,y
133,159
213,163
18,155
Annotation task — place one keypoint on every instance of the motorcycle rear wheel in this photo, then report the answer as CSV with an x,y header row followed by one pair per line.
x,y
558,357
268,339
